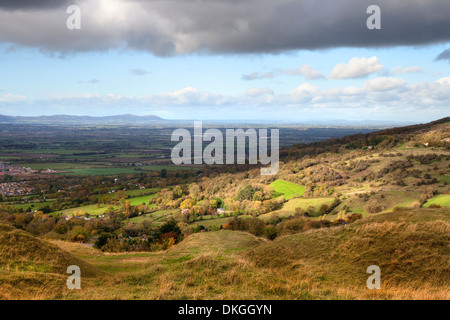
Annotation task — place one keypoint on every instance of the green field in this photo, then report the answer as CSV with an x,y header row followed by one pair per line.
x,y
141,192
93,209
33,205
99,171
139,200
289,207
98,168
442,200
55,165
288,189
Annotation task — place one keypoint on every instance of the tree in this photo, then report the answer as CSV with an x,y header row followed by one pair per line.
x,y
178,192
187,204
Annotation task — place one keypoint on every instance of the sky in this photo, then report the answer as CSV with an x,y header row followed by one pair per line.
x,y
227,59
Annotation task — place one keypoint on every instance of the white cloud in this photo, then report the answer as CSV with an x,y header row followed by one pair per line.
x,y
444,81
305,88
356,68
11,98
305,70
383,84
381,97
412,69
256,75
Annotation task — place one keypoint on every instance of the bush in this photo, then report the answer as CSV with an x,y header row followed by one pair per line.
x,y
353,217
372,206
270,232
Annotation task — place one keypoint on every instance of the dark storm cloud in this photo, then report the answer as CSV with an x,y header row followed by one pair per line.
x,y
445,55
228,26
31,4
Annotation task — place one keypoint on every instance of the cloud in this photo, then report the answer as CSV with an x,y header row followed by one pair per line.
x,y
138,72
444,55
306,71
383,84
12,98
92,81
32,4
305,88
356,68
387,98
179,27
400,70
256,76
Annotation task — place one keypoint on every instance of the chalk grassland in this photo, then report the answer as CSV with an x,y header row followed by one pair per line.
x,y
411,246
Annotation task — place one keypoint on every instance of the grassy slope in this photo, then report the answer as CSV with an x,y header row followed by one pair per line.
x,y
411,246
31,268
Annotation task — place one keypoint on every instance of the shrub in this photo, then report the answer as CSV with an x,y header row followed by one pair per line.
x,y
353,217
372,206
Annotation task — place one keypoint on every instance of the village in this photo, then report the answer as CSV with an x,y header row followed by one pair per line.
x,y
14,189
6,169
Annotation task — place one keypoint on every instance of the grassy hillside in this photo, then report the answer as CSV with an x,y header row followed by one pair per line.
x,y
411,246
34,268
394,181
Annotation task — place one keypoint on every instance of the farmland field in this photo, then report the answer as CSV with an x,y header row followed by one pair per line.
x,y
139,200
288,189
93,209
442,200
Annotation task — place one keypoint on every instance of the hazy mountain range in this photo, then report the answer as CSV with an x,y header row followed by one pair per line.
x,y
129,119
69,119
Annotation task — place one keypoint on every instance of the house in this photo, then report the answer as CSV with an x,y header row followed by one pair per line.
x,y
220,210
184,211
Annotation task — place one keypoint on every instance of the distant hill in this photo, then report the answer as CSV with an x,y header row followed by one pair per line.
x,y
69,119
384,139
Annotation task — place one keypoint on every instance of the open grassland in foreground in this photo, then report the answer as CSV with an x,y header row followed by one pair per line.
x,y
411,246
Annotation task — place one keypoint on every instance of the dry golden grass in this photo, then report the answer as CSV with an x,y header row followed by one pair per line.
x,y
410,246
